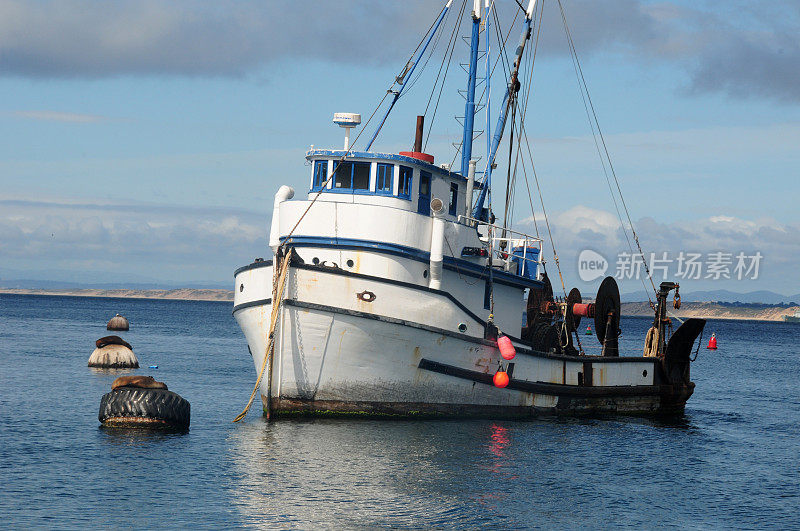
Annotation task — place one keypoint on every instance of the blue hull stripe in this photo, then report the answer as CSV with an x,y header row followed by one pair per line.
x,y
453,264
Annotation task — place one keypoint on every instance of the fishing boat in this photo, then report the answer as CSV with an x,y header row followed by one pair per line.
x,y
394,289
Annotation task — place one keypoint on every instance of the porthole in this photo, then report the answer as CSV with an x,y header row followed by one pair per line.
x,y
644,372
425,274
315,260
241,288
349,263
462,327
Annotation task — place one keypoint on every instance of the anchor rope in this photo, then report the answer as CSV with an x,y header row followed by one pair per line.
x,y
280,283
277,296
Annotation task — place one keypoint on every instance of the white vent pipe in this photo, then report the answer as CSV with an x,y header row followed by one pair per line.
x,y
284,194
470,187
437,245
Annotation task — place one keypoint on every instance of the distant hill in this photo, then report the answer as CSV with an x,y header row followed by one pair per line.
x,y
61,280
712,310
177,294
66,285
723,295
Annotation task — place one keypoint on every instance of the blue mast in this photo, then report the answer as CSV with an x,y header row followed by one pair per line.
x,y
501,119
488,172
469,109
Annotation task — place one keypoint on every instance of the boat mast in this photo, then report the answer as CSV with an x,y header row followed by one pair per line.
x,y
469,109
504,108
488,172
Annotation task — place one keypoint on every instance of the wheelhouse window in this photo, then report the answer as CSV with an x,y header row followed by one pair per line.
x,y
351,176
361,175
453,199
385,176
404,187
320,174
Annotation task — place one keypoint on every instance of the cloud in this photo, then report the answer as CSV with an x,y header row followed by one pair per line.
x,y
582,228
56,116
742,49
738,48
81,38
751,67
168,243
175,244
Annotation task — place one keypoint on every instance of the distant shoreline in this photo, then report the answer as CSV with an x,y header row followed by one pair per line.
x,y
713,310
705,310
184,294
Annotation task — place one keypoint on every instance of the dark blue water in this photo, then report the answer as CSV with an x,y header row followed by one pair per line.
x,y
733,460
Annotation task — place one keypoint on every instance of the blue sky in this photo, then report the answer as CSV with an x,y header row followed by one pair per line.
x,y
145,140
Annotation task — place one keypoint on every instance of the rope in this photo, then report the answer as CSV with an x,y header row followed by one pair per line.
x,y
277,295
651,342
699,343
277,288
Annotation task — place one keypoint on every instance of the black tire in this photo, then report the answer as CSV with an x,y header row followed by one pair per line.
x,y
136,403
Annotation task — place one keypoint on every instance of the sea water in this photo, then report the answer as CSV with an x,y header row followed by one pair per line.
x,y
732,460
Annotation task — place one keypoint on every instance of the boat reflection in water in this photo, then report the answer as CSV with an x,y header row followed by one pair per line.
x,y
354,473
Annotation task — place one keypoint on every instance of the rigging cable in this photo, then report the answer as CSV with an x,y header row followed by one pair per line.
x,y
509,182
544,210
364,128
582,81
530,60
524,112
333,173
408,69
429,55
531,56
451,48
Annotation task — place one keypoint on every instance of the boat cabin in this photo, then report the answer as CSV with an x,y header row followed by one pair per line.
x,y
396,181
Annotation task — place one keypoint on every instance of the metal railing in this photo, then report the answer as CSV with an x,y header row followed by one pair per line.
x,y
512,252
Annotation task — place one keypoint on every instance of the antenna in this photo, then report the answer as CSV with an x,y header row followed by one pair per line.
x,y
348,120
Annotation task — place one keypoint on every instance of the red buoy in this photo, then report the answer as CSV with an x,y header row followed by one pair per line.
x,y
712,343
506,348
500,379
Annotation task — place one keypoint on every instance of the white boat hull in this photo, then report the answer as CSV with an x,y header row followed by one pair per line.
x,y
342,355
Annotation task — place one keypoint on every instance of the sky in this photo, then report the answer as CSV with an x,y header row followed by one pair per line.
x,y
143,141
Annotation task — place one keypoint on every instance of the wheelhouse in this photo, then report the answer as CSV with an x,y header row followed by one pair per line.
x,y
396,181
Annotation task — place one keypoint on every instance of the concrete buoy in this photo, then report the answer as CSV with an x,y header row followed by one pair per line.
x,y
113,352
118,322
